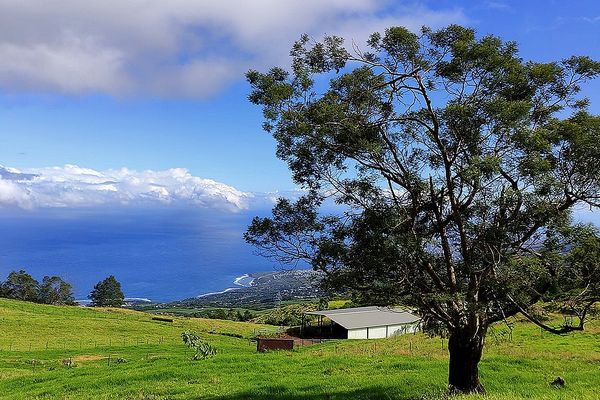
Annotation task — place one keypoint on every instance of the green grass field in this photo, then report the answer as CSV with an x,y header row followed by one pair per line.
x,y
35,339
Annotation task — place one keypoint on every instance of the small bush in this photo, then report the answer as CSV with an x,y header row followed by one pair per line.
x,y
203,349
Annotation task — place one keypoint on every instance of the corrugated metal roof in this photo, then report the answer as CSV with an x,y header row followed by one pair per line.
x,y
363,317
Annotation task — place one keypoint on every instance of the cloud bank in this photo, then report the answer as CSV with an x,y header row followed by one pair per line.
x,y
74,186
174,48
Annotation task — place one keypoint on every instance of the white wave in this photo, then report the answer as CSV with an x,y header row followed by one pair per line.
x,y
244,280
222,291
142,299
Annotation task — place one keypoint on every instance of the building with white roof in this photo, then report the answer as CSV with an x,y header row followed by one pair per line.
x,y
371,322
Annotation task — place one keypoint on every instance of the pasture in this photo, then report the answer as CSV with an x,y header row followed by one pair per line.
x,y
49,352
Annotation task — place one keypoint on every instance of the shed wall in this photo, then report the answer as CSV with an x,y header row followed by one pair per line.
x,y
360,333
380,332
377,332
264,344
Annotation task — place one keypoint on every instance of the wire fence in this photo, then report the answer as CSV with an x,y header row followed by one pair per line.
x,y
82,344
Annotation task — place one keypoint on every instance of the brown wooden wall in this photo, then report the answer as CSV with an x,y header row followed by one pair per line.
x,y
264,344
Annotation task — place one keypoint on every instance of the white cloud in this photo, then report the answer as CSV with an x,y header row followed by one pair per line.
x,y
13,194
174,48
74,186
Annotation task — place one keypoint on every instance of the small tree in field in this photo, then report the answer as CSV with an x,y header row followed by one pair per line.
x,y
203,349
107,293
458,165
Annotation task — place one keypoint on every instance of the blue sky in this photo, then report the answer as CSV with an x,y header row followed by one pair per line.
x,y
112,86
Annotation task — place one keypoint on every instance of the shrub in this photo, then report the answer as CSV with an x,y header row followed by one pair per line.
x,y
202,348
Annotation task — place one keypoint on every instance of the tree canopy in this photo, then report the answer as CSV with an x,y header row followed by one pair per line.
x,y
457,166
107,293
20,285
54,290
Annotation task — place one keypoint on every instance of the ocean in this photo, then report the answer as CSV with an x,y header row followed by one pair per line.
x,y
160,254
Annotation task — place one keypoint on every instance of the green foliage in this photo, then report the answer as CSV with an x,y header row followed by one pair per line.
x,y
20,286
456,164
203,349
222,313
54,290
323,304
450,194
285,316
107,293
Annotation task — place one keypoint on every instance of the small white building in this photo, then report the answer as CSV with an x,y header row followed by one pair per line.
x,y
372,322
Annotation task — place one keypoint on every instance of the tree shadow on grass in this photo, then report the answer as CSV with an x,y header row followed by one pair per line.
x,y
319,393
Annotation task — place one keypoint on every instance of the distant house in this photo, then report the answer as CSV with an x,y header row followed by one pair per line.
x,y
369,322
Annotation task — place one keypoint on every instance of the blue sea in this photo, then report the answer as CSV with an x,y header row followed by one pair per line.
x,y
161,254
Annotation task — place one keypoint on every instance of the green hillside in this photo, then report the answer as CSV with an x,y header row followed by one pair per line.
x,y
121,354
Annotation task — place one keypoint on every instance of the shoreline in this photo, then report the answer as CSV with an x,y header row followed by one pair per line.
x,y
240,280
245,280
222,291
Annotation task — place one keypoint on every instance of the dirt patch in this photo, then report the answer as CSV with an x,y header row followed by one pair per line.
x,y
88,358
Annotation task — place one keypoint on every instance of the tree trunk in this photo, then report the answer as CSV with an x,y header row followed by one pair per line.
x,y
465,352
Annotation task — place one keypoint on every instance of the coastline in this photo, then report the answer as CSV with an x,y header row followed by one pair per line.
x,y
242,281
222,291
245,280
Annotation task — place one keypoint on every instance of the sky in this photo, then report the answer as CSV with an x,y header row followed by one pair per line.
x,y
145,100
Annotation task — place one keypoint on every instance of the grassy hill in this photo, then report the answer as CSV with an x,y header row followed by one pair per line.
x,y
35,339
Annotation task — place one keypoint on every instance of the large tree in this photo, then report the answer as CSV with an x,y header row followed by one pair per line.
x,y
107,293
456,165
20,285
54,290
